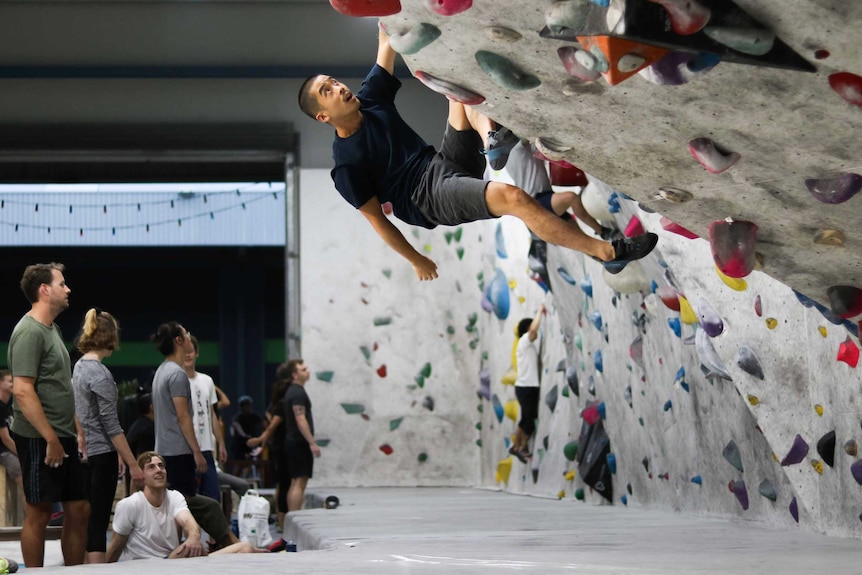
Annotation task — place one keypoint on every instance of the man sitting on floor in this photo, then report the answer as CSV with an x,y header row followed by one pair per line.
x,y
146,523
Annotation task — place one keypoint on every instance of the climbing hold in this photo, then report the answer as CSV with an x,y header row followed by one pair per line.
x,y
686,16
498,408
324,376
504,469
502,34
381,371
579,343
450,90
851,448
797,452
381,321
754,41
593,412
794,509
669,297
565,392
818,467
570,450
705,152
572,378
767,490
758,306
497,295
596,319
394,423
673,195
566,176
671,226
500,242
848,352
587,286
686,313
818,409
674,324
579,494
667,405
748,362
738,489
623,498
567,17
570,475
732,456
591,385
366,7
353,408
697,480
505,73
614,203
823,331
428,403
848,86
597,361
733,244
709,319
422,457
485,383
835,190
511,409
448,7
845,301
386,449
856,471
612,463
771,323
636,351
829,238
414,40
736,284
551,398
569,57
624,57
627,395
708,356
753,399
566,276
634,228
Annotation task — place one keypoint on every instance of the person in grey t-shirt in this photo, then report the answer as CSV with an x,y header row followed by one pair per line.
x,y
175,433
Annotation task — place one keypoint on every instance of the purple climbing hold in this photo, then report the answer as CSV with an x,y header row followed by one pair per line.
x,y
797,452
448,7
738,489
710,157
709,319
485,383
450,90
794,509
574,68
747,361
671,70
835,190
506,73
845,301
856,470
733,244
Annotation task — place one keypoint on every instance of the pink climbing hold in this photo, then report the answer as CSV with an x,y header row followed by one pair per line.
x,y
845,301
366,7
575,69
567,176
705,152
634,228
733,244
848,352
448,7
686,16
669,225
848,86
450,90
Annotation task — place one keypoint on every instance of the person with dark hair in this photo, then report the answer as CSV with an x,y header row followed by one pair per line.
x,y
142,433
379,158
273,435
46,431
246,425
96,407
8,451
172,407
527,384
300,449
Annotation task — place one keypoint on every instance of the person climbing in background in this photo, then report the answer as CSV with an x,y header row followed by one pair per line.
x,y
527,384
379,158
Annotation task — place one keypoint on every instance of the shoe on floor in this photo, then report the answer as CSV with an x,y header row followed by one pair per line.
x,y
276,546
500,143
630,249
518,453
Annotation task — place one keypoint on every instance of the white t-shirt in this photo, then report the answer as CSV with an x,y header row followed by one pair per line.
x,y
203,398
151,531
528,362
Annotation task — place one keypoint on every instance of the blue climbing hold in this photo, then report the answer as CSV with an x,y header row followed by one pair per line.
x,y
597,361
614,203
587,286
667,405
675,325
612,462
497,294
596,319
500,242
567,277
697,479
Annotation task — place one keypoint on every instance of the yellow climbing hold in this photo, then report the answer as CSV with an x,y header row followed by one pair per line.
x,y
511,409
819,409
521,299
510,377
504,468
570,475
561,494
775,458
818,467
753,399
737,284
771,322
427,248
822,331
686,314
513,283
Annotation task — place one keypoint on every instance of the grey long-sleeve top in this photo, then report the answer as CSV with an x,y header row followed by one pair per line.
x,y
96,405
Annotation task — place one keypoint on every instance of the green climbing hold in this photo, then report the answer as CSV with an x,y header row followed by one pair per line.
x,y
457,234
579,494
415,39
505,73
460,253
426,370
571,450
388,273
579,342
365,351
353,408
378,321
420,381
324,376
731,454
565,391
448,236
450,330
422,457
394,423
322,442
479,443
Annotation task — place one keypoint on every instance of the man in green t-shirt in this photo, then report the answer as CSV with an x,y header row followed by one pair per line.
x,y
46,431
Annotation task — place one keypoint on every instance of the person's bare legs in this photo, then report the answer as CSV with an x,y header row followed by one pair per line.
x,y
561,202
36,518
296,493
73,541
239,547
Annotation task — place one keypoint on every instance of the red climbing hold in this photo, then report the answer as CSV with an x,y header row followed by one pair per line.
x,y
381,371
386,448
733,244
669,297
571,176
366,7
848,353
671,226
634,228
710,157
450,90
448,7
848,86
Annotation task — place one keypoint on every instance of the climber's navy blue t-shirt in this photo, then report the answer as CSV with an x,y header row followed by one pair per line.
x,y
385,157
